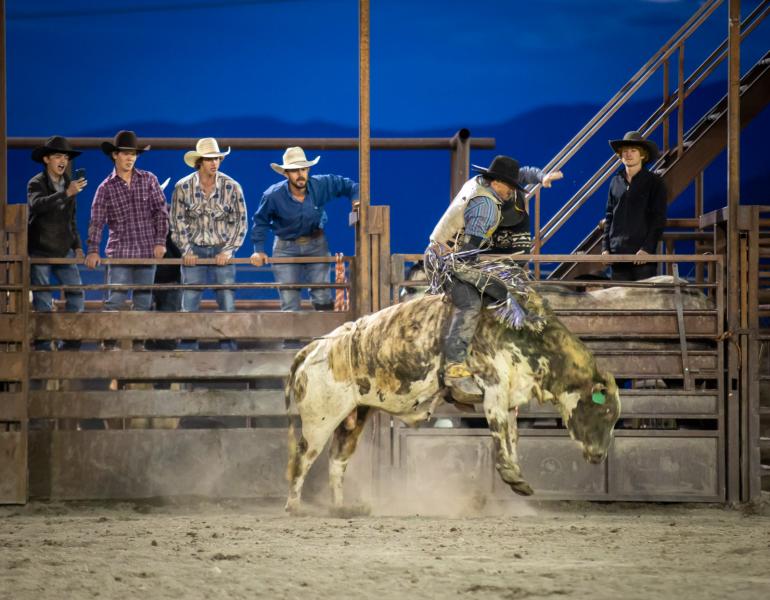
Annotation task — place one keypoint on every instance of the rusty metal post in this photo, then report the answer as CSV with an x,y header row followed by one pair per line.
x,y
733,275
666,99
3,122
459,161
680,105
698,215
363,249
537,245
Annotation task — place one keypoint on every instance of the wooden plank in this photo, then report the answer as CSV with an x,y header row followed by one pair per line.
x,y
636,326
12,406
168,325
76,465
555,468
634,402
11,328
159,365
663,468
13,467
438,459
155,403
11,366
663,364
216,463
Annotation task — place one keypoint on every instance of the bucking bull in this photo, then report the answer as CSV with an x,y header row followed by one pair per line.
x,y
391,361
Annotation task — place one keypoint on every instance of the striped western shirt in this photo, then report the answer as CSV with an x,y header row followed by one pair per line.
x,y
219,219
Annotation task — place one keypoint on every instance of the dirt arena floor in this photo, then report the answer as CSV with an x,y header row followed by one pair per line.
x,y
240,549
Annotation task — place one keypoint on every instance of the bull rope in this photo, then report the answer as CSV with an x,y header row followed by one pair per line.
x,y
517,304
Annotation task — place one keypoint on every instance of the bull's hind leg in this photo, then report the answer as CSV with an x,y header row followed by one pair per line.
x,y
314,436
505,434
342,447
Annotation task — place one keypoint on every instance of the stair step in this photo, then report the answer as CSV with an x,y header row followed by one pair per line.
x,y
764,470
764,442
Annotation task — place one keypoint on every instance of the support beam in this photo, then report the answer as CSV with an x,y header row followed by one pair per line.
x,y
733,278
363,250
3,122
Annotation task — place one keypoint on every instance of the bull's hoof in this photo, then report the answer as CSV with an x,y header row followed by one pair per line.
x,y
347,512
294,508
522,488
513,478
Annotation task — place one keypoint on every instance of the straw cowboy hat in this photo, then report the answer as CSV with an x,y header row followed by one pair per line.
x,y
502,168
124,140
634,138
205,148
54,145
294,158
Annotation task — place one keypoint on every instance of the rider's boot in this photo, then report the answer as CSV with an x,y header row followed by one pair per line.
x,y
459,379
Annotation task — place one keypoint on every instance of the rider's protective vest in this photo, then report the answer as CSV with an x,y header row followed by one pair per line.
x,y
451,226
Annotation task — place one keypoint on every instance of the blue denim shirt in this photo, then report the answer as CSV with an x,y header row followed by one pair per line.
x,y
289,218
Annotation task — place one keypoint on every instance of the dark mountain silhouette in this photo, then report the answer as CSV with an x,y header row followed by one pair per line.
x,y
416,183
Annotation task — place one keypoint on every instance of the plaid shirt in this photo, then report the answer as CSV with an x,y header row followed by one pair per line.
x,y
136,216
216,220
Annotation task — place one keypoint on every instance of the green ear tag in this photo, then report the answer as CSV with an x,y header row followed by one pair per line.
x,y
598,397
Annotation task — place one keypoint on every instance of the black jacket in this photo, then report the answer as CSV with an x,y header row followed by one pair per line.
x,y
52,228
636,213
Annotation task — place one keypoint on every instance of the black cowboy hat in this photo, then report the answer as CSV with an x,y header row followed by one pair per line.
x,y
634,138
503,168
54,145
124,140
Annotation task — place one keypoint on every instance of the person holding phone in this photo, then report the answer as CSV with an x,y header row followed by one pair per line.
x,y
52,228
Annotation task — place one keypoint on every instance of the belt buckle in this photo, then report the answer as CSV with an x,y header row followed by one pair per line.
x,y
303,239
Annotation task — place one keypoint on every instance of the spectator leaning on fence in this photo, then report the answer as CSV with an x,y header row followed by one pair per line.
x,y
131,203
294,211
52,227
208,220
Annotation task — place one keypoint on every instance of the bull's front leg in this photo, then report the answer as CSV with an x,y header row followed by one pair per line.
x,y
505,434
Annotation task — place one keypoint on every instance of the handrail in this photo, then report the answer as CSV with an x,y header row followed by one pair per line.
x,y
447,143
639,78
671,102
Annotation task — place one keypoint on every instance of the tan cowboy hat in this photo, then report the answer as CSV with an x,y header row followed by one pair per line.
x,y
205,148
294,158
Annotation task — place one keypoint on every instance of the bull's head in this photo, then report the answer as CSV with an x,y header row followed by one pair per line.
x,y
590,420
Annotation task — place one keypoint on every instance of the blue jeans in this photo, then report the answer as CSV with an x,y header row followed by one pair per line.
x,y
130,274
66,275
191,299
298,273
42,301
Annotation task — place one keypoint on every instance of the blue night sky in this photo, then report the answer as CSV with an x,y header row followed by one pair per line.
x,y
289,68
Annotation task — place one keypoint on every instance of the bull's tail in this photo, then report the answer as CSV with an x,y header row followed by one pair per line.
x,y
293,463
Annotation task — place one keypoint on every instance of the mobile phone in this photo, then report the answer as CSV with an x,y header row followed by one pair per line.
x,y
79,174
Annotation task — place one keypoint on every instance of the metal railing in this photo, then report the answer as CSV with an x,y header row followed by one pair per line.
x,y
671,102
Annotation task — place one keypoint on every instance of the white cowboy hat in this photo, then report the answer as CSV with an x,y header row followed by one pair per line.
x,y
205,148
294,158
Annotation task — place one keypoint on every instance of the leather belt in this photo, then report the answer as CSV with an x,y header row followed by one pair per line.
x,y
304,239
